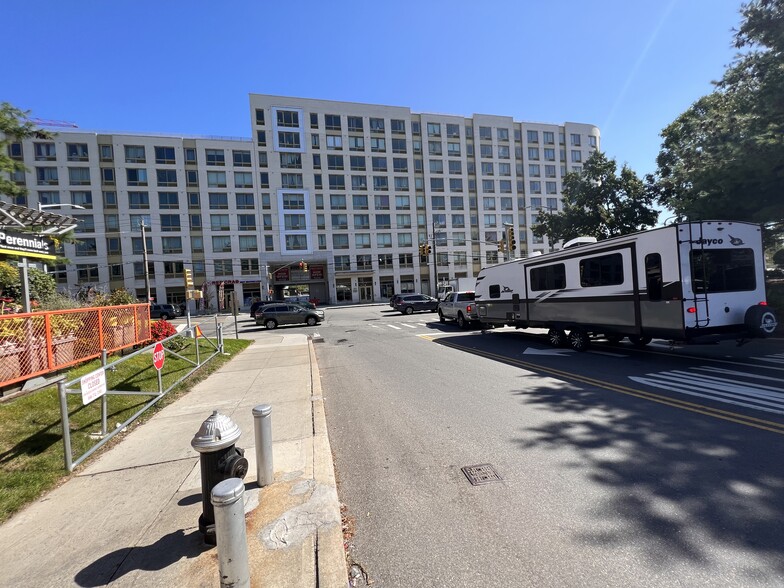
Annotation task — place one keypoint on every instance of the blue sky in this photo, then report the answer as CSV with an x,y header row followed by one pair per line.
x,y
628,66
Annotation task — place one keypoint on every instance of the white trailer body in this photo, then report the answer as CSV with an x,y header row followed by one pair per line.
x,y
690,282
455,285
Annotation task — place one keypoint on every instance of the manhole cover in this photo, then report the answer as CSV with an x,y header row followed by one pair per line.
x,y
481,474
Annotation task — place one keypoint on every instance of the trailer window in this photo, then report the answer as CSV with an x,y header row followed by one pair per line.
x,y
606,270
722,270
653,276
549,277
495,291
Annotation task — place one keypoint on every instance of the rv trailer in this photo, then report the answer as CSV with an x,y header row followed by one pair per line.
x,y
695,282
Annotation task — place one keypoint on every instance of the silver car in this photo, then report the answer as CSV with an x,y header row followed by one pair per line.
x,y
273,315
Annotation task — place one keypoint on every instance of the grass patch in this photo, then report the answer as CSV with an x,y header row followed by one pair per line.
x,y
31,443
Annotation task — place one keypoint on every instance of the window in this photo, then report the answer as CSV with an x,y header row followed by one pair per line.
x,y
575,139
437,184
592,141
385,259
339,221
138,245
438,202
86,223
248,243
376,125
455,167
136,177
215,157
292,160
191,177
77,151
550,277
170,223
259,116
485,134
399,165
107,176
288,118
246,222
487,168
503,134
113,246
358,182
261,138
357,163
249,267
532,136
722,270
262,159
533,153
168,200
356,143
334,142
171,245
433,130
378,144
361,221
337,182
404,240
453,149
137,200
488,186
216,179
244,201
294,222
606,270
549,171
550,188
135,154
362,240
337,202
379,164
86,247
383,221
223,267
293,201
218,201
219,222
339,242
195,222
402,202
360,201
314,120
292,181
243,179
190,155
269,243
434,148
381,201
79,176
335,162
164,155
548,137
44,152
241,158
166,177
535,187
403,221
453,131
290,140
549,154
112,222
436,166
577,156
486,151
332,122
355,124
398,126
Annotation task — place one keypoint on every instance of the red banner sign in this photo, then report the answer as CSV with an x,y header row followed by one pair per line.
x,y
317,273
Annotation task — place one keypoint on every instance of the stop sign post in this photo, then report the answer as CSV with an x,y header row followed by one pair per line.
x,y
158,357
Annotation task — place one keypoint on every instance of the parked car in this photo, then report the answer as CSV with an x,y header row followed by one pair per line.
x,y
393,299
254,308
273,315
163,311
410,303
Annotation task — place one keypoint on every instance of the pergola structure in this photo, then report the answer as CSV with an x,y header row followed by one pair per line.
x,y
35,222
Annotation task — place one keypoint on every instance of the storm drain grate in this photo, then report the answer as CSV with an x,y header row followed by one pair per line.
x,y
483,473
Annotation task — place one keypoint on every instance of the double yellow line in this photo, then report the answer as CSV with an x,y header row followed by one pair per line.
x,y
726,415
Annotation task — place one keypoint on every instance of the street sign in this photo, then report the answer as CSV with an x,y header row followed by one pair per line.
x,y
158,356
93,385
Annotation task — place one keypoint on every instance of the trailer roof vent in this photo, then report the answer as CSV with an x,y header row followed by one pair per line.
x,y
577,241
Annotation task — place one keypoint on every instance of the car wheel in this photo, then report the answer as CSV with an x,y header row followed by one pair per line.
x,y
312,322
441,317
556,337
271,323
639,341
409,310
461,322
578,340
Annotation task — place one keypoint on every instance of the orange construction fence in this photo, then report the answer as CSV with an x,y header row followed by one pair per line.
x,y
36,343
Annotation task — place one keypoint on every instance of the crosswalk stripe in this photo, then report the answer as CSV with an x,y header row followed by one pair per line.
x,y
409,326
394,327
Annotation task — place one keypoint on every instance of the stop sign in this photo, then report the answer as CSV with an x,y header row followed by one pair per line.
x,y
158,356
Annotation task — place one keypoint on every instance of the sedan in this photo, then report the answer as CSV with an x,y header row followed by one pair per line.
x,y
287,314
410,303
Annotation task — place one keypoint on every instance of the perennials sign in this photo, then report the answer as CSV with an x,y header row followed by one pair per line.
x,y
26,245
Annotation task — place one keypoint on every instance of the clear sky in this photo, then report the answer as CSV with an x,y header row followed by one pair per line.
x,y
628,66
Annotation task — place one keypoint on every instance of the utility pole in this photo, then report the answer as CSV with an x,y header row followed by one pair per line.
x,y
435,263
146,269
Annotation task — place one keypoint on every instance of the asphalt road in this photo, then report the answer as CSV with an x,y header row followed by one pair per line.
x,y
617,467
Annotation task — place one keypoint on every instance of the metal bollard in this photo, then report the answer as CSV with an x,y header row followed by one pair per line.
x,y
262,426
232,540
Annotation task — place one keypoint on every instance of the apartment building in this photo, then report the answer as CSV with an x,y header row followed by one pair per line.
x,y
331,198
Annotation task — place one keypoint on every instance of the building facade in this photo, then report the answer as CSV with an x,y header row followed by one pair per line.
x,y
327,198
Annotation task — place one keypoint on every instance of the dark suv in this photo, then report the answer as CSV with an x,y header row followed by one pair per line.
x,y
163,311
410,303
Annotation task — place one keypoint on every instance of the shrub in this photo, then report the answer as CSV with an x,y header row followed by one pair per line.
x,y
162,329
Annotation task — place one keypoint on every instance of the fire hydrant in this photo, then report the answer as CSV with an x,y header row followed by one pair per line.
x,y
220,460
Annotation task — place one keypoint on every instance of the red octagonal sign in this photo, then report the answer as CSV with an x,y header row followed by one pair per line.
x,y
158,356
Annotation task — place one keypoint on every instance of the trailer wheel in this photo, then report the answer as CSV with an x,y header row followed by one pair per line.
x,y
441,316
760,321
639,341
556,337
579,340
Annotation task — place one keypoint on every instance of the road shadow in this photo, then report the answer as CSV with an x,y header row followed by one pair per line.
x,y
678,484
165,552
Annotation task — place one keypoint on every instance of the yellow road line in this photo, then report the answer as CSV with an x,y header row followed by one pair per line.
x,y
669,401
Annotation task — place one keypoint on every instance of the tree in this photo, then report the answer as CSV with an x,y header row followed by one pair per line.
x,y
599,203
724,157
14,126
42,285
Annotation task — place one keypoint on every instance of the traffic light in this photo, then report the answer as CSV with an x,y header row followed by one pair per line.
x,y
304,266
501,246
428,249
421,249
188,275
510,238
301,264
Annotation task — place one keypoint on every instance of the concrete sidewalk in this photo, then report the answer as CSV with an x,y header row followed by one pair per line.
x,y
130,517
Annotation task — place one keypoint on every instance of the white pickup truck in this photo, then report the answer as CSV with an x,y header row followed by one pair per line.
x,y
459,307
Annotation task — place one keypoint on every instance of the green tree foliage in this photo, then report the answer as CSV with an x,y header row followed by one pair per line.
x,y
598,202
724,157
778,258
14,126
42,285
